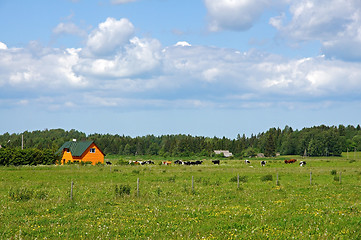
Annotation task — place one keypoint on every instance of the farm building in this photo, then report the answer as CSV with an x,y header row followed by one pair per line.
x,y
226,153
80,151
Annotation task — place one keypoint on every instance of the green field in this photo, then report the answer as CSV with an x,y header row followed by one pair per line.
x,y
35,201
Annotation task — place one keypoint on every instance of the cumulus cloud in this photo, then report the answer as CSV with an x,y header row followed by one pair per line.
x,y
121,1
109,36
136,71
69,28
336,24
3,46
234,15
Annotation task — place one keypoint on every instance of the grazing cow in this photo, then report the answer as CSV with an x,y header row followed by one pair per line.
x,y
290,161
198,162
215,162
246,161
147,162
263,163
134,162
108,163
167,162
180,162
302,163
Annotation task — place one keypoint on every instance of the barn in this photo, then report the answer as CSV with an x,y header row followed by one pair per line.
x,y
81,151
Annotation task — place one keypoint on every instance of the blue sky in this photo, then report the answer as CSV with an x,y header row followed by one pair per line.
x,y
199,67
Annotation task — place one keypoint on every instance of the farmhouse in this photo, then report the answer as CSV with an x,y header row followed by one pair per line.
x,y
82,151
226,153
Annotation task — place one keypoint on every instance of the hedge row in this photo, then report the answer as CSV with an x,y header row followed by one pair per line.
x,y
31,156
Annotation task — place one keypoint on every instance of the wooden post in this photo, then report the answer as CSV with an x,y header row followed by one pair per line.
x,y
137,187
71,190
277,180
340,177
192,184
110,168
237,181
310,178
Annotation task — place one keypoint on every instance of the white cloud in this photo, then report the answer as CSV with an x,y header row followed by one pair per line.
x,y
3,46
139,56
140,72
335,23
183,44
235,15
69,28
122,1
109,36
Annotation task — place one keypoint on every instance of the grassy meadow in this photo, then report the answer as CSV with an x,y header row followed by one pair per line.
x,y
35,200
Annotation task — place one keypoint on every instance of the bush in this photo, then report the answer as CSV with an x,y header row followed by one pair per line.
x,y
333,172
21,194
122,190
267,177
241,179
171,179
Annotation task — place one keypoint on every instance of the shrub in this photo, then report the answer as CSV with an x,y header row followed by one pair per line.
x,y
21,194
171,179
267,177
122,190
333,172
241,179
352,161
336,178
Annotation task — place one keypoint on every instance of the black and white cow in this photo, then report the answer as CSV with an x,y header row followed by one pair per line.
x,y
302,163
263,163
108,163
215,162
247,161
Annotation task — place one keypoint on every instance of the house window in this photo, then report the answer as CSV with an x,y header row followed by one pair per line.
x,y
67,150
92,150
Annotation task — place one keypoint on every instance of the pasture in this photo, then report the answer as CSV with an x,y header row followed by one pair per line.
x,y
35,201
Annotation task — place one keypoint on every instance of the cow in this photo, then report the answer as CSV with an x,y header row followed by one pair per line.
x,y
167,162
290,161
302,163
108,163
247,161
134,162
147,162
198,162
180,162
263,163
215,162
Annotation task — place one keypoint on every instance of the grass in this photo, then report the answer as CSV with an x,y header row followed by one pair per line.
x,y
105,203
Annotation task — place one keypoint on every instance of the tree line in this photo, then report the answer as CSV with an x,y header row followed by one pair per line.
x,y
314,141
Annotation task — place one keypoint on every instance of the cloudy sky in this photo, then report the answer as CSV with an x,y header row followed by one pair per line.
x,y
199,67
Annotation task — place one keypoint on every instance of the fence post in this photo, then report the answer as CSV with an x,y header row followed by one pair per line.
x,y
340,177
71,190
310,178
237,181
192,184
137,187
277,180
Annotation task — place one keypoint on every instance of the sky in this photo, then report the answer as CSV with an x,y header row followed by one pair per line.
x,y
198,67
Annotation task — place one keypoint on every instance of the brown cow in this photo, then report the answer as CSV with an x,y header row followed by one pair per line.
x,y
290,161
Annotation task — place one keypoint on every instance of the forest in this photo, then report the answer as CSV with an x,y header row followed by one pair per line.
x,y
314,141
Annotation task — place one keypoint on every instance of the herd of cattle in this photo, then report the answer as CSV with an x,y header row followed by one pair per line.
x,y
180,162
